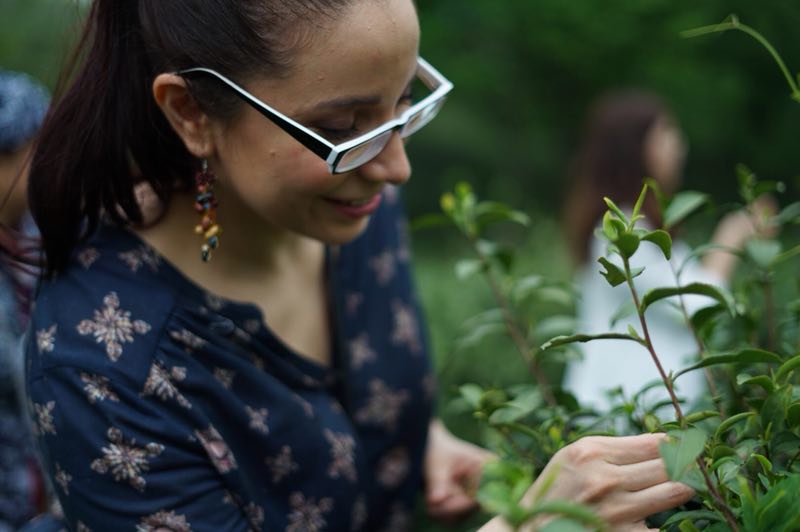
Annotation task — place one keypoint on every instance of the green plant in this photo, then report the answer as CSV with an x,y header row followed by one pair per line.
x,y
740,456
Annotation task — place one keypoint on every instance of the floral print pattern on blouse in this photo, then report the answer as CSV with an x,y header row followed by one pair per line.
x,y
159,406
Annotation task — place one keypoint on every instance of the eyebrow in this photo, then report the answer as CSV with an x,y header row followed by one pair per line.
x,y
347,101
354,101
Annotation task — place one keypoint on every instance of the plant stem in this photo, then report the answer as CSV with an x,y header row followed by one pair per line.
x,y
712,489
521,343
769,304
722,506
734,24
649,344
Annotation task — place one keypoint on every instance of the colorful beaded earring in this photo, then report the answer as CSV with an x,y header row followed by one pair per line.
x,y
206,206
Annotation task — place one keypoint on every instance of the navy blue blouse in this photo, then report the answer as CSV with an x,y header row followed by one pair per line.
x,y
160,406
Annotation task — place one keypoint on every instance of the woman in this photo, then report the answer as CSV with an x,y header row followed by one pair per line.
x,y
284,383
629,135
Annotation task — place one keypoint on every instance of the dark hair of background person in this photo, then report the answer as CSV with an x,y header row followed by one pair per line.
x,y
104,133
610,162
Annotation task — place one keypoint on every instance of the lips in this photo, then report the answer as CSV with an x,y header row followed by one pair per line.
x,y
356,208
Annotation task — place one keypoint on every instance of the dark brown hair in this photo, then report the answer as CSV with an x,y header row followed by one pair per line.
x,y
610,162
105,133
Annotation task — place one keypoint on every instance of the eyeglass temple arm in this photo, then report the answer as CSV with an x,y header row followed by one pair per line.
x,y
298,132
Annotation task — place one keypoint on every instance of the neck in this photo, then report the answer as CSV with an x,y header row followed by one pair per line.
x,y
250,249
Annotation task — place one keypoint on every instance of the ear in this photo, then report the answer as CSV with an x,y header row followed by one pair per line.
x,y
191,124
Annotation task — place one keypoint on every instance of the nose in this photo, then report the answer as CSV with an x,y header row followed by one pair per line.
x,y
391,165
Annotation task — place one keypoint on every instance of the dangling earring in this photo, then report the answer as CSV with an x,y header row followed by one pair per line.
x,y
206,206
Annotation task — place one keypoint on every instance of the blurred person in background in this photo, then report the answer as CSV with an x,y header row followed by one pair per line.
x,y
23,104
630,135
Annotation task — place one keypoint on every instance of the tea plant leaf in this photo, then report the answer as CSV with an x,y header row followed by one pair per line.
x,y
696,417
640,200
472,394
763,252
427,221
661,239
789,214
616,210
583,338
706,515
625,310
564,525
760,380
694,288
681,206
466,268
572,510
627,243
786,255
680,451
490,212
613,274
703,316
787,367
744,356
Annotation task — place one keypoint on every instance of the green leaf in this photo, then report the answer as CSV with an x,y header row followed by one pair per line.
x,y
491,212
472,394
703,316
793,415
763,252
744,356
640,200
466,268
661,239
627,243
572,510
563,525
681,450
583,338
788,214
726,425
694,288
427,221
787,367
613,274
681,206
616,210
610,228
760,380
625,310
696,417
477,334
696,515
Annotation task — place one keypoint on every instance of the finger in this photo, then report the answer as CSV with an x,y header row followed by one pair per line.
x,y
621,450
637,505
643,475
452,507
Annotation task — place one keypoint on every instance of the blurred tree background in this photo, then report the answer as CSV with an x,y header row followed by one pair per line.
x,y
525,72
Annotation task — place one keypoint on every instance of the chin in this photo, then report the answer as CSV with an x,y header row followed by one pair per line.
x,y
343,235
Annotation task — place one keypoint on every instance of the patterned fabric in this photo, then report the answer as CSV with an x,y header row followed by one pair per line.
x,y
160,406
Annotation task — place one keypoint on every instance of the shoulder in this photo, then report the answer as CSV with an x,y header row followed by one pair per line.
x,y
110,304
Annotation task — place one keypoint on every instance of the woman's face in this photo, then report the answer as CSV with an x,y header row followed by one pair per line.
x,y
665,152
351,77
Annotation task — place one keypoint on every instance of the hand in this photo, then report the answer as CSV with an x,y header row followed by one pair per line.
x,y
622,479
453,469
735,229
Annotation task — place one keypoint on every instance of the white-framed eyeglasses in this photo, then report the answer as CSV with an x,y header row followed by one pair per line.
x,y
353,153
